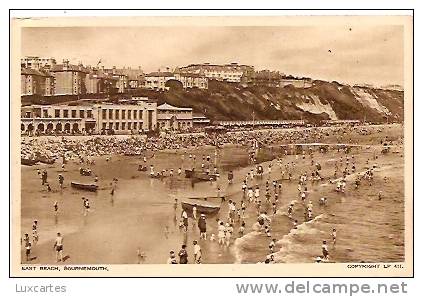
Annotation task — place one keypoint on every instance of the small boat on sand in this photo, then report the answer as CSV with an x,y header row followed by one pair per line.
x,y
205,198
203,176
132,154
85,187
28,162
202,207
46,160
198,176
189,173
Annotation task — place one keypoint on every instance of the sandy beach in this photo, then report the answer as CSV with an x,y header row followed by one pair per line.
x,y
141,215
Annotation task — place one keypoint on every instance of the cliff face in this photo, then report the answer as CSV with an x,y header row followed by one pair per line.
x,y
324,100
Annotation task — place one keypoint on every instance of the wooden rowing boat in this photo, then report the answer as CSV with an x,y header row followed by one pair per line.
x,y
189,173
28,162
132,154
202,207
46,160
85,187
203,176
205,198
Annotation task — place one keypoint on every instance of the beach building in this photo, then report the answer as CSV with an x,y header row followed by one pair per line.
x,y
200,120
174,118
89,118
127,118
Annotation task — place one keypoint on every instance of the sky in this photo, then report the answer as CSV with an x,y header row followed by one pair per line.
x,y
353,55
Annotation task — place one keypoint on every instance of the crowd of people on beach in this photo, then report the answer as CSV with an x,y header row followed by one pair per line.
x,y
263,203
74,147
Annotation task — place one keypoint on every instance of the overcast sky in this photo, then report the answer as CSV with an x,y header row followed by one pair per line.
x,y
347,54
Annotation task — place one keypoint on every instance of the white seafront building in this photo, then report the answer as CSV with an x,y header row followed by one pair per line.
x,y
174,118
88,117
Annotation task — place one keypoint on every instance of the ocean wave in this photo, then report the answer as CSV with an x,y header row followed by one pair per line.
x,y
240,242
290,250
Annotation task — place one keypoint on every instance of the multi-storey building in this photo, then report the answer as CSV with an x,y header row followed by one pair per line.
x,y
69,79
265,78
192,80
227,72
157,80
124,118
93,118
119,79
95,83
174,118
36,82
37,63
135,77
296,82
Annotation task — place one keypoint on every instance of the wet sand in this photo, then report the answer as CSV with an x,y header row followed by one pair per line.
x,y
141,210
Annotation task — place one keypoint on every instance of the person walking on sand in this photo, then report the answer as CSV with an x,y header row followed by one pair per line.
x,y
197,252
61,180
325,250
202,226
34,232
194,211
183,255
27,245
172,258
58,246
184,217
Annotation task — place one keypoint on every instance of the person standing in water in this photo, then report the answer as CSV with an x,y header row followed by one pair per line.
x,y
221,233
272,246
86,206
334,236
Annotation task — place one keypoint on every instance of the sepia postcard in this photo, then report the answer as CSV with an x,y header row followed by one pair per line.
x,y
225,143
